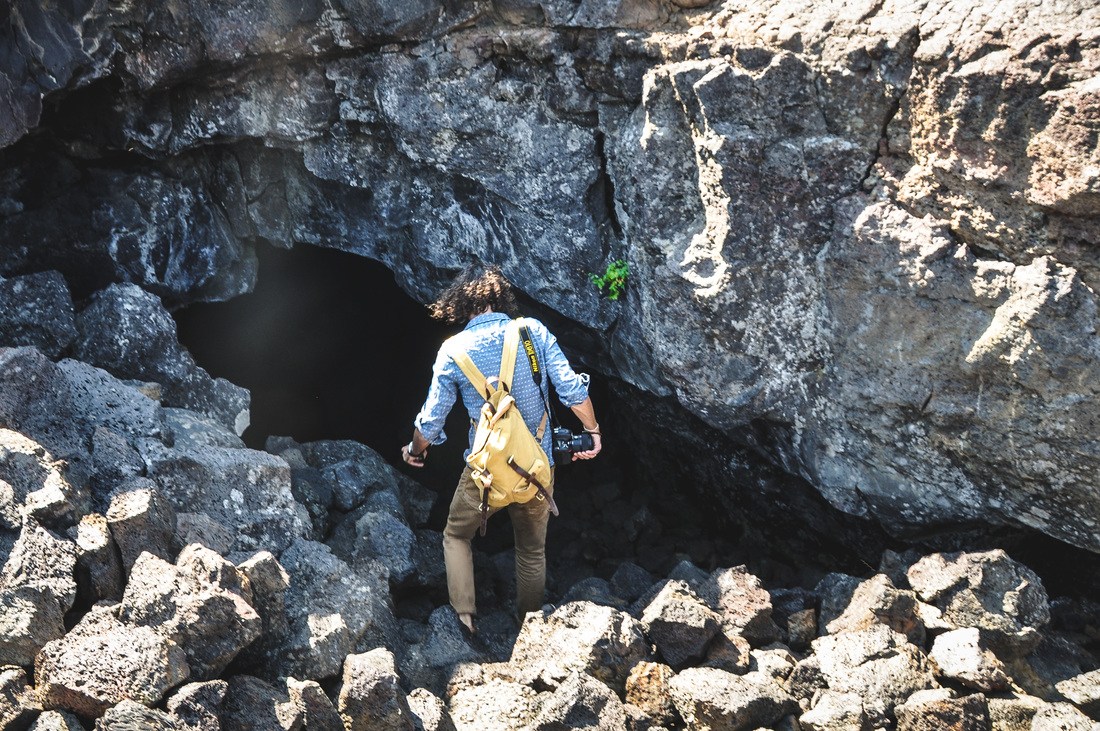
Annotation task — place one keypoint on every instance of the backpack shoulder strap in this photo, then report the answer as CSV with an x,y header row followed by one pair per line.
x,y
466,365
508,355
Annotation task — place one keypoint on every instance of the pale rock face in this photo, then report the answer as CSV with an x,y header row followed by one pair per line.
x,y
958,655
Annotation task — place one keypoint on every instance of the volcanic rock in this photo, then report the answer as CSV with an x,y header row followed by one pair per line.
x,y
1002,598
969,712
201,603
371,696
578,637
102,662
680,624
37,310
128,332
849,605
197,706
580,702
958,655
876,663
712,698
142,521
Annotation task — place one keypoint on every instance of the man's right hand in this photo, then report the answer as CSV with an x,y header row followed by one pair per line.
x,y
411,459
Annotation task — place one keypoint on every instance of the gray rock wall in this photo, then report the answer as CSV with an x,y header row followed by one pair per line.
x,y
867,229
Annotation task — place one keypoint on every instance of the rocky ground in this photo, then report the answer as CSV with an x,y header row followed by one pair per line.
x,y
158,574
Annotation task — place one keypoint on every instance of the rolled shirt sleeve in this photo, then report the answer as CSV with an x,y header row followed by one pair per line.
x,y
441,397
572,387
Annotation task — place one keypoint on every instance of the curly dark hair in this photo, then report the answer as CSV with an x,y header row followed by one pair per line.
x,y
473,291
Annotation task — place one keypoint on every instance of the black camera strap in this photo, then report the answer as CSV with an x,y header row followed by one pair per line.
x,y
528,344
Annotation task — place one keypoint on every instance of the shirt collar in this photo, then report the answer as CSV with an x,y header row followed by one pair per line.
x,y
486,318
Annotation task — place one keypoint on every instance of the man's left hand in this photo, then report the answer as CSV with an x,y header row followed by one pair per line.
x,y
597,445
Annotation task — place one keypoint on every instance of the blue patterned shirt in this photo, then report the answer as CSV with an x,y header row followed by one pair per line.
x,y
483,340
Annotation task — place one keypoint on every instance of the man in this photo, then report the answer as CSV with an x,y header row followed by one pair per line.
x,y
483,298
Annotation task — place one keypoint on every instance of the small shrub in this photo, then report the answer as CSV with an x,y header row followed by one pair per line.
x,y
614,279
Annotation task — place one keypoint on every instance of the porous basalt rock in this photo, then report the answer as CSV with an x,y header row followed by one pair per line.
x,y
578,637
202,603
37,310
102,662
128,332
370,694
1005,600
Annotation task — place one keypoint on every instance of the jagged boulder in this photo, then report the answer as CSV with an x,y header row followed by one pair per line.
x,y
1083,691
647,689
743,603
56,721
958,655
18,705
929,714
1061,717
142,521
362,472
268,582
371,698
202,603
729,652
429,711
496,705
445,645
128,331
114,462
680,624
310,708
715,699
1056,659
30,617
101,400
350,481
246,491
254,705
630,581
34,484
37,310
834,711
849,605
131,716
99,574
1013,712
198,705
806,679
384,537
580,702
36,401
42,560
578,637
878,664
328,612
201,528
102,662
1003,599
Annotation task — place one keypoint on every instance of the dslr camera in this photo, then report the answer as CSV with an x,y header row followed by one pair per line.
x,y
566,444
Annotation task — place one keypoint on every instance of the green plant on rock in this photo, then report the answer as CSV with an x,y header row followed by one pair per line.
x,y
614,279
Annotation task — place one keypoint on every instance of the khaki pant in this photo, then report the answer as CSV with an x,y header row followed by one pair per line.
x,y
529,525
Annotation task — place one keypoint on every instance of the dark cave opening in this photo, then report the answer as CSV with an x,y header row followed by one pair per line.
x,y
331,347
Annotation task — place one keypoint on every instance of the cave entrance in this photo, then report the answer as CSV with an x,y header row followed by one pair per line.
x,y
330,348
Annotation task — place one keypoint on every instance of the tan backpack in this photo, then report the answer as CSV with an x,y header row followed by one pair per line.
x,y
508,463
